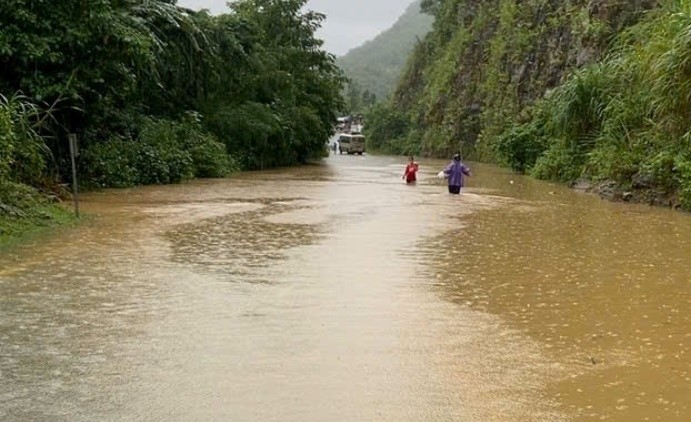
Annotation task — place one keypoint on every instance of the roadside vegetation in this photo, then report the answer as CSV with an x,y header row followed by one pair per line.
x,y
24,208
156,93
582,92
626,119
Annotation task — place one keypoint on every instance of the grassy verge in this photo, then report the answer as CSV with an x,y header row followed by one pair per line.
x,y
16,229
25,212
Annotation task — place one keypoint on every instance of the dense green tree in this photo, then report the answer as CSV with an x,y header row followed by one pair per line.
x,y
291,86
147,76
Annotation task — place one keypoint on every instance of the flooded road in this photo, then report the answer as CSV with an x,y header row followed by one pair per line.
x,y
335,292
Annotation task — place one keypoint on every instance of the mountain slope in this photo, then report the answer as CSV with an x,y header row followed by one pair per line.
x,y
486,61
593,92
376,65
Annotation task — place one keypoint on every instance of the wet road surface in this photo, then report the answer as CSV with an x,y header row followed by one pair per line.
x,y
335,292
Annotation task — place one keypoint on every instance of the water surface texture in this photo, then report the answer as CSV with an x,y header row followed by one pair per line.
x,y
335,292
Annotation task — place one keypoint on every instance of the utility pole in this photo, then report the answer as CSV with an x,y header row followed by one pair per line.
x,y
74,153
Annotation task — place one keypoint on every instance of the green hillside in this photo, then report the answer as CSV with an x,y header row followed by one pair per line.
x,y
584,91
376,65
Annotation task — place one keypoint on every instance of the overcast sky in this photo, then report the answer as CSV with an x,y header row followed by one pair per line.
x,y
349,23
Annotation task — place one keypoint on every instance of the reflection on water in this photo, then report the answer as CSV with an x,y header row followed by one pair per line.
x,y
336,292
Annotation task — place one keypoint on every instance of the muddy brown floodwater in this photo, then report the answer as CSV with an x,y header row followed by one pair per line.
x,y
335,292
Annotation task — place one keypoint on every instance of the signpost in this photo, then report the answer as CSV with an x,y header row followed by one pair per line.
x,y
74,153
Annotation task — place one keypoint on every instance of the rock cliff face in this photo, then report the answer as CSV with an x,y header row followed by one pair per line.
x,y
486,61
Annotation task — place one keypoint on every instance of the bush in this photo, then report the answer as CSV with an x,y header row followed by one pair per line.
x,y
164,152
110,164
161,157
560,162
209,156
521,146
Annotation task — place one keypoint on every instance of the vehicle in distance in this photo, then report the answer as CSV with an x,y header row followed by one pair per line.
x,y
351,144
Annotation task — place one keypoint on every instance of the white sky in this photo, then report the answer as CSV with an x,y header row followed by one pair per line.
x,y
349,23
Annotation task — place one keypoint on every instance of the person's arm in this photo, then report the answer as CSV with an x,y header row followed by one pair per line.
x,y
405,173
447,170
466,171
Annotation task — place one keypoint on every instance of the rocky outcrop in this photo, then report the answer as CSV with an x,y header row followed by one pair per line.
x,y
611,190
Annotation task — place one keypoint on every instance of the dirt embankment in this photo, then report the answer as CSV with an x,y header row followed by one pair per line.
x,y
640,192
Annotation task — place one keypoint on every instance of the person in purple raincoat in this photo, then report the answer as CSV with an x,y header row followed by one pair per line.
x,y
455,173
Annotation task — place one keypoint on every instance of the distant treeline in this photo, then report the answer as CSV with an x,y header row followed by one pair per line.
x,y
157,93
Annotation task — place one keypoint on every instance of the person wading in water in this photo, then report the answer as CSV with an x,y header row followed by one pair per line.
x,y
410,174
455,173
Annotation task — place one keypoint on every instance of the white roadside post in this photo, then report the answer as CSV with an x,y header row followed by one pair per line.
x,y
74,153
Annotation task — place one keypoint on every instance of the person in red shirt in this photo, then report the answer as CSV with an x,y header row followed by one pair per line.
x,y
411,169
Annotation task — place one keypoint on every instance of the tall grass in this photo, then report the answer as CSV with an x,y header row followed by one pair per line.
x,y
22,151
23,157
627,119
